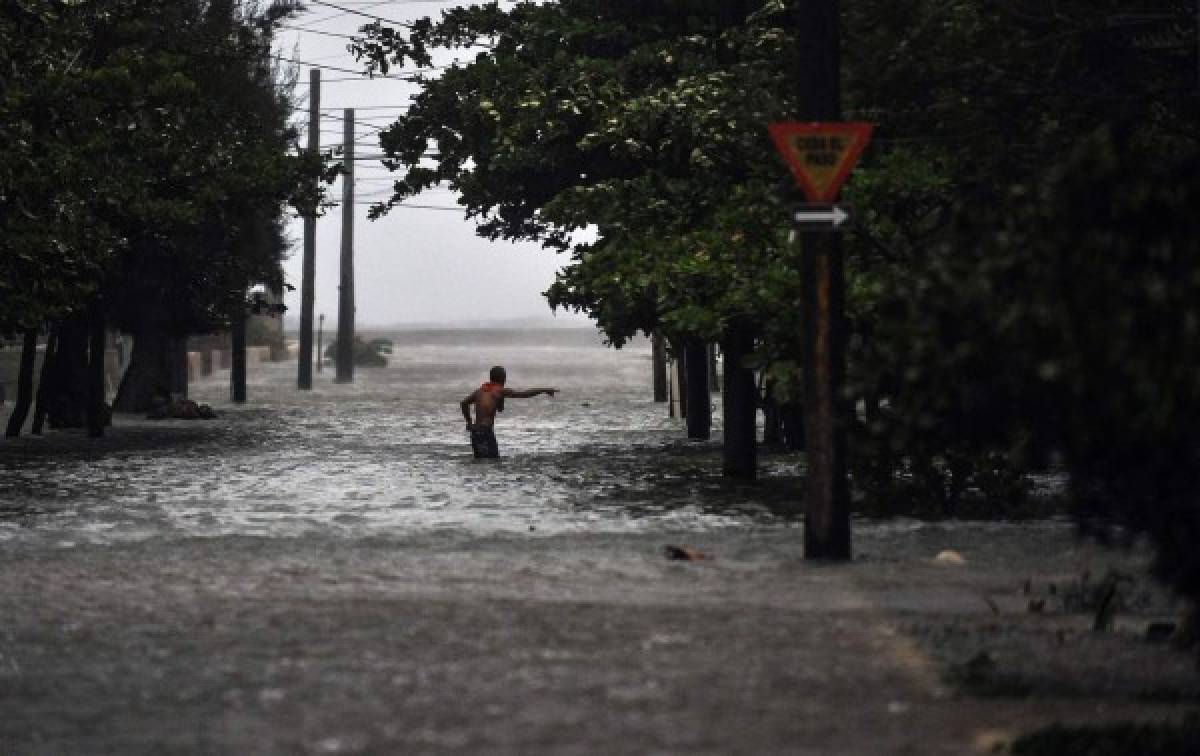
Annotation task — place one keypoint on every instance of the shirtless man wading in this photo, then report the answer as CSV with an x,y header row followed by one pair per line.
x,y
488,400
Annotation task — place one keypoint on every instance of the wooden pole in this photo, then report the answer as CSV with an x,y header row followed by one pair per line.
x,y
309,270
344,372
827,505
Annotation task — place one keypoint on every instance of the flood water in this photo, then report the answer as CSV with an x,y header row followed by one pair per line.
x,y
333,572
389,455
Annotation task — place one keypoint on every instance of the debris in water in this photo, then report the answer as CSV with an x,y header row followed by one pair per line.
x,y
979,667
950,557
684,553
180,409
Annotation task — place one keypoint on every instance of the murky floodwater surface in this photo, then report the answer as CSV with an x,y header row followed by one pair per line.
x,y
388,454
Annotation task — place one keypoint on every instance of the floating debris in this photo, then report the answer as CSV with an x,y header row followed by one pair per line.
x,y
684,553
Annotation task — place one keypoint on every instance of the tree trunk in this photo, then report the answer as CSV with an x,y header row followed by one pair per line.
x,y
659,359
740,410
43,390
237,373
714,381
67,392
16,420
680,375
151,374
179,367
792,415
699,407
772,421
97,410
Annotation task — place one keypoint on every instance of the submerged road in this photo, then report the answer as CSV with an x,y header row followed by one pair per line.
x,y
332,573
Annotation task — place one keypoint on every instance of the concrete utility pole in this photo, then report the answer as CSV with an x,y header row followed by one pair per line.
x,y
345,339
827,496
307,283
320,342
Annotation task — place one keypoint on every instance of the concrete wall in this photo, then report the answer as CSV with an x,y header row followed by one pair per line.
x,y
204,363
10,368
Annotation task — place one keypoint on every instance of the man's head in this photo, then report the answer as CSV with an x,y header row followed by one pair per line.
x,y
497,375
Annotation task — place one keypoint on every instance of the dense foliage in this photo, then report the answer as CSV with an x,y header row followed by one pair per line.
x,y
1023,267
149,163
642,122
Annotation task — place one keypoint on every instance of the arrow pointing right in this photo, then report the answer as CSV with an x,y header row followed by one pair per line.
x,y
834,216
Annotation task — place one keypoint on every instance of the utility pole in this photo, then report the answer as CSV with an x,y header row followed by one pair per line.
x,y
307,284
344,372
827,496
320,339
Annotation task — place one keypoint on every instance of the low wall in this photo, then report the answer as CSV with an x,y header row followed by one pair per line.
x,y
204,363
10,368
201,364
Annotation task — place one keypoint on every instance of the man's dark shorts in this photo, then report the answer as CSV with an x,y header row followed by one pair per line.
x,y
483,442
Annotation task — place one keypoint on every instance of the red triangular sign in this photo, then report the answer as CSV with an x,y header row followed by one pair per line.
x,y
821,155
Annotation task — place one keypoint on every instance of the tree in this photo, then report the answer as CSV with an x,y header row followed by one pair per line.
x,y
1022,150
149,175
644,121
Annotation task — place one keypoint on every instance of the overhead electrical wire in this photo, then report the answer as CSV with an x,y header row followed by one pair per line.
x,y
360,13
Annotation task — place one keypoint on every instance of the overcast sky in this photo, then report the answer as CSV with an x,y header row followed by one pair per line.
x,y
415,265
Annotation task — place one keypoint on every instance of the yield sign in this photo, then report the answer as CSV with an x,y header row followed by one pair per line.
x,y
821,155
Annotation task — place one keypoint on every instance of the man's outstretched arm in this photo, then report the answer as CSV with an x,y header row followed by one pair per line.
x,y
527,393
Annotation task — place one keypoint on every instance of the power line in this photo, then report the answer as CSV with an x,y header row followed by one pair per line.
x,y
317,31
360,13
332,16
359,107
417,207
364,77
360,78
333,68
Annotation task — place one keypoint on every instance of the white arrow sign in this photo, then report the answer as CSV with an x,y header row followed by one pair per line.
x,y
834,216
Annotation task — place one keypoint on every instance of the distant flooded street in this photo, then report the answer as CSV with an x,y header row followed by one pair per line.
x,y
333,572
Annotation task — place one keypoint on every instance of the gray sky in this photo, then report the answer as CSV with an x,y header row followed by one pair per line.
x,y
413,265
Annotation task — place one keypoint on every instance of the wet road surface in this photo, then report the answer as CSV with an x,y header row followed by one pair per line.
x,y
332,572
